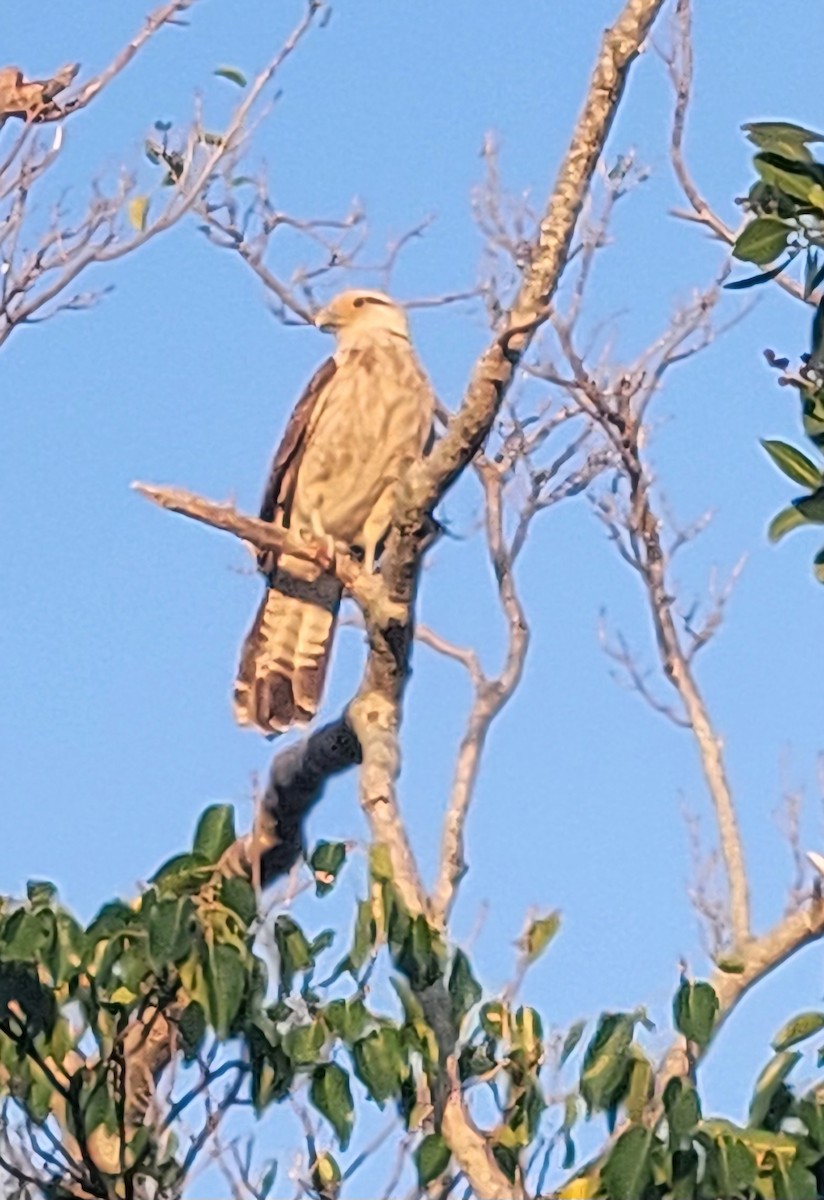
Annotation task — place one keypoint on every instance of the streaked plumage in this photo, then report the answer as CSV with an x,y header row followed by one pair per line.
x,y
364,418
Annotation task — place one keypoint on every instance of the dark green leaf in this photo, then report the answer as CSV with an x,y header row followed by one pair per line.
x,y
170,932
432,1158
607,1061
215,832
791,1180
818,566
782,523
812,507
684,1174
573,1037
191,1026
494,1019
40,892
695,1009
22,991
239,895
379,1063
793,463
225,982
464,989
799,180
232,74
773,1075
332,1097
762,241
293,948
326,862
682,1107
627,1173
754,280
364,936
421,954
798,1029
267,1182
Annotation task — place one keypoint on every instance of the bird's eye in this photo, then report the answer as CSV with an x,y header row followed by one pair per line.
x,y
359,303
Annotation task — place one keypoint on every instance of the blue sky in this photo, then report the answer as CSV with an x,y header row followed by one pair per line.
x,y
120,625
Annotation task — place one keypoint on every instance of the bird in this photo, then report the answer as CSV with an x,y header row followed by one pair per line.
x,y
364,419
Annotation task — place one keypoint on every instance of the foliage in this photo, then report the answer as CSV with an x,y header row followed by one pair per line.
x,y
787,205
191,951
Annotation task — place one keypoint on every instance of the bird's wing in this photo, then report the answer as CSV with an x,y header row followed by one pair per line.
x,y
280,486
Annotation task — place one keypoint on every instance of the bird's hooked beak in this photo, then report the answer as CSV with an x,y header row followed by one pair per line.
x,y
325,321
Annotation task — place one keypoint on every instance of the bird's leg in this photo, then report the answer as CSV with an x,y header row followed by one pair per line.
x,y
328,558
375,527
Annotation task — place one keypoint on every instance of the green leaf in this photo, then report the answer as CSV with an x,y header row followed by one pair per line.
x,y
607,1061
782,137
773,1075
818,566
731,1165
464,989
640,1086
793,463
331,1095
627,1173
267,1182
294,951
40,893
762,241
30,936
226,982
421,954
215,832
326,861
364,936
21,989
812,507
695,1009
782,523
182,872
798,1029
799,180
98,1109
137,210
191,1027
573,1037
682,1107
432,1158
684,1174
379,1063
272,1071
347,1018
239,895
754,280
540,934
170,932
232,74
326,1175
303,1044
792,1180
494,1019
526,1036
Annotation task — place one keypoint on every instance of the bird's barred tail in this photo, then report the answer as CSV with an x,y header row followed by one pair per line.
x,y
284,658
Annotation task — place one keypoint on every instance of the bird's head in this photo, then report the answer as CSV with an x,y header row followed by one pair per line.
x,y
357,311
